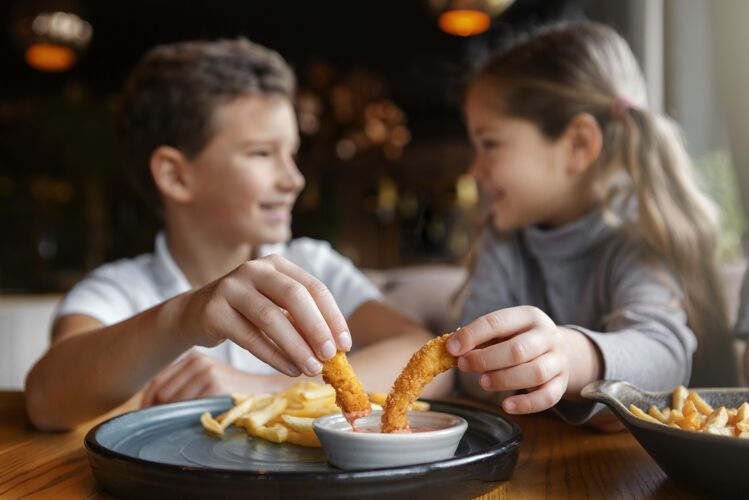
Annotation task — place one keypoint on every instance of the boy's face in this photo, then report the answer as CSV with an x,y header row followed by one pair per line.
x,y
246,179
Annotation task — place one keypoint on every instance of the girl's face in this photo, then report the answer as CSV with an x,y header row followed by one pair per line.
x,y
522,173
246,179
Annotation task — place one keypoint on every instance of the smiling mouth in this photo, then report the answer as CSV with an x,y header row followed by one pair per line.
x,y
279,212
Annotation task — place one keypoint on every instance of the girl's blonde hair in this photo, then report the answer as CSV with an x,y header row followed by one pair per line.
x,y
559,72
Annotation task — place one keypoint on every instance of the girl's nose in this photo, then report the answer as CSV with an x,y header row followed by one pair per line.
x,y
474,170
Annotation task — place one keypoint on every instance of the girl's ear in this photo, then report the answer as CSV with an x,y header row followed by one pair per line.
x,y
171,173
585,141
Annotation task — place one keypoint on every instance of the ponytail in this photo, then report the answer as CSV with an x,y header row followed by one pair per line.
x,y
679,223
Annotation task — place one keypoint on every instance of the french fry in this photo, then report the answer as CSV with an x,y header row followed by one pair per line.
x,y
743,425
230,416
210,424
637,412
700,403
420,406
733,413
313,412
690,412
286,416
260,417
717,420
675,416
323,392
718,431
657,414
276,433
298,424
689,409
679,396
743,412
377,397
303,439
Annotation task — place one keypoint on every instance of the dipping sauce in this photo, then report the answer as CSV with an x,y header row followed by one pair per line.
x,y
375,429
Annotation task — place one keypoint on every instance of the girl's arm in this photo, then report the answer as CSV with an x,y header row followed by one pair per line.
x,y
644,340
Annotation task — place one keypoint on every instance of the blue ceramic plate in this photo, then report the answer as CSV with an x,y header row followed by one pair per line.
x,y
164,452
716,465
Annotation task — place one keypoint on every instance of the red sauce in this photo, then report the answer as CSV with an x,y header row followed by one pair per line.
x,y
375,429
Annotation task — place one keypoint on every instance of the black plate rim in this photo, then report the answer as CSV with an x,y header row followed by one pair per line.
x,y
93,446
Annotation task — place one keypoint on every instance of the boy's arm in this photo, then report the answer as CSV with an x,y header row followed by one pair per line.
x,y
384,341
91,369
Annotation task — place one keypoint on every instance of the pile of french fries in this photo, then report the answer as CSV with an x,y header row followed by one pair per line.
x,y
689,411
286,416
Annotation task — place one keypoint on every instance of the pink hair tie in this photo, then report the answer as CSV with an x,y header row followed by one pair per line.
x,y
620,105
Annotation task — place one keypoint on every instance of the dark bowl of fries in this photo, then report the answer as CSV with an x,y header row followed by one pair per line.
x,y
700,438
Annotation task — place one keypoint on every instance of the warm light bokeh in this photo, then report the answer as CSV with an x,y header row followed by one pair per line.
x,y
464,22
50,57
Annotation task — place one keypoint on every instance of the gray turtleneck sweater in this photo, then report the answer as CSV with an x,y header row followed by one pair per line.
x,y
591,277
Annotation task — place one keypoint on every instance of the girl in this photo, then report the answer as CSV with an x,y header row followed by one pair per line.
x,y
601,257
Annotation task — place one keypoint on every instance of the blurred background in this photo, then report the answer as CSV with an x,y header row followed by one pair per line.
x,y
384,149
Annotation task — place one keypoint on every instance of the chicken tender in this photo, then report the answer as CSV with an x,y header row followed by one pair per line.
x,y
428,362
349,394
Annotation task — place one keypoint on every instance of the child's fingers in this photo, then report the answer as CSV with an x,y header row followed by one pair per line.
x,y
192,371
195,389
295,298
531,374
495,325
157,381
322,297
248,336
512,352
270,319
541,399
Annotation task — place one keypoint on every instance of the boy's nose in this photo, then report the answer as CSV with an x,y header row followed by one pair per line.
x,y
291,178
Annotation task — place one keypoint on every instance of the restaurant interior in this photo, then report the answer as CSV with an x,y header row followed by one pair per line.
x,y
379,104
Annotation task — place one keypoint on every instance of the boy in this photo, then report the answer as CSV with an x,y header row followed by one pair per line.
x,y
209,135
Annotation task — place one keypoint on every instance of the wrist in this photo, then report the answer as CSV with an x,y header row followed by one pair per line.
x,y
172,319
584,361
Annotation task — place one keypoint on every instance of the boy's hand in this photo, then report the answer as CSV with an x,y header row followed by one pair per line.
x,y
516,348
274,309
197,375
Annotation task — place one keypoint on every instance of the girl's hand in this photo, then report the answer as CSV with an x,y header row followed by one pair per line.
x,y
271,307
197,375
517,348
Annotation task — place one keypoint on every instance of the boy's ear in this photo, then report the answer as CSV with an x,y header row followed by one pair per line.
x,y
171,174
585,141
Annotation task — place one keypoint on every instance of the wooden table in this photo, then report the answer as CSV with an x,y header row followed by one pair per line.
x,y
556,461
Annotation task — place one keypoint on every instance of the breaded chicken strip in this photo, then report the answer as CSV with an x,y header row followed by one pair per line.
x,y
349,394
425,364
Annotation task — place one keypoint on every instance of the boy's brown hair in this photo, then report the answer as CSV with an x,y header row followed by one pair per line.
x,y
172,94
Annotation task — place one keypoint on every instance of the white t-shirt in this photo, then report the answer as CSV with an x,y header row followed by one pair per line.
x,y
116,291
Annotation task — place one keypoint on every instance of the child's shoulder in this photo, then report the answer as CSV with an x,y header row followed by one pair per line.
x,y
300,248
501,246
126,269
